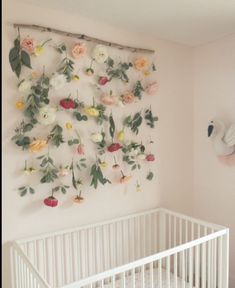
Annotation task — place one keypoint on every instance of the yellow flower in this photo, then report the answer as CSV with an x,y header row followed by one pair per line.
x,y
75,77
120,135
69,125
104,164
91,111
38,50
146,73
138,187
37,145
29,171
19,105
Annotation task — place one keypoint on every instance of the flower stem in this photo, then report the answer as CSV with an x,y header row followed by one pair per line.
x,y
45,42
122,174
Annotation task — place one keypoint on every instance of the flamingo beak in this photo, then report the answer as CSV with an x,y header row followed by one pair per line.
x,y
210,129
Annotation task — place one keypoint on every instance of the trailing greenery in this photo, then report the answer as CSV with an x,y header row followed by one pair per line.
x,y
102,117
97,175
79,116
138,89
77,182
38,97
25,189
18,58
81,164
49,170
131,160
56,135
134,122
61,188
66,65
20,138
150,119
118,72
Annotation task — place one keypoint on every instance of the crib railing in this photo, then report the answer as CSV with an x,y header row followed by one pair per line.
x,y
157,246
24,274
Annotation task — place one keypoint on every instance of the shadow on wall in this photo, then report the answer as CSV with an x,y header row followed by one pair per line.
x,y
227,160
6,277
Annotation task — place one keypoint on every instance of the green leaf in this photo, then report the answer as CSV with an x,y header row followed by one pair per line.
x,y
111,126
31,190
23,192
25,58
149,176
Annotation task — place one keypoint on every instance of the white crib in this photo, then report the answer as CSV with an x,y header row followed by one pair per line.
x,y
155,249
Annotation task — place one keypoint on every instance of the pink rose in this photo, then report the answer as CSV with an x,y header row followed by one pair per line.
x,y
150,157
79,49
103,80
81,149
108,99
28,45
128,98
151,88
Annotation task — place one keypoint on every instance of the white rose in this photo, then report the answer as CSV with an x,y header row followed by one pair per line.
x,y
46,115
58,81
141,156
24,85
100,54
96,137
120,104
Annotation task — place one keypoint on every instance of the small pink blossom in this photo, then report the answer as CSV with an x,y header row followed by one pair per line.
x,y
103,80
150,157
79,49
151,88
128,98
28,45
81,149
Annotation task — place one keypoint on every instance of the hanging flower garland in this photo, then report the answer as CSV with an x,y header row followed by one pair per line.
x,y
37,111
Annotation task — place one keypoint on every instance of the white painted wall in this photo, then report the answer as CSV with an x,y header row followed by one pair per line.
x,y
173,104
214,97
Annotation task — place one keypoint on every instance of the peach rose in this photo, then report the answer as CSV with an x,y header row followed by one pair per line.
x,y
128,98
124,179
28,45
141,64
108,99
79,49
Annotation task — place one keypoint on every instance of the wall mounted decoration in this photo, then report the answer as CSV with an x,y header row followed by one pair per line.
x,y
79,104
223,138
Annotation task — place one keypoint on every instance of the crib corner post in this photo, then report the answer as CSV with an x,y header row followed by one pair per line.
x,y
162,231
226,259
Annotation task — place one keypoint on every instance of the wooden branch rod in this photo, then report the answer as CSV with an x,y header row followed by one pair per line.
x,y
83,37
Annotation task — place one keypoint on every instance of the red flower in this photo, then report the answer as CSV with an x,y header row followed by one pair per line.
x,y
67,103
103,80
51,201
150,157
114,147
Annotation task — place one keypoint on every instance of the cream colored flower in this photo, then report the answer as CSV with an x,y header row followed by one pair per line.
x,y
91,111
29,171
96,137
141,156
58,81
46,115
24,85
37,145
121,135
100,54
128,97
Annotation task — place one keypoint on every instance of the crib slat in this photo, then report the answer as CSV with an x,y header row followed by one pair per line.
x,y
142,276
168,267
220,262
151,275
215,262
183,268
133,278
175,271
190,267
209,264
160,272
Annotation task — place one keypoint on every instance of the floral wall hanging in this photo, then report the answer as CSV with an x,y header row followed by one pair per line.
x,y
83,83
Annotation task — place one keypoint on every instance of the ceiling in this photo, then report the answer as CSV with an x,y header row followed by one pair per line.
x,y
190,22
